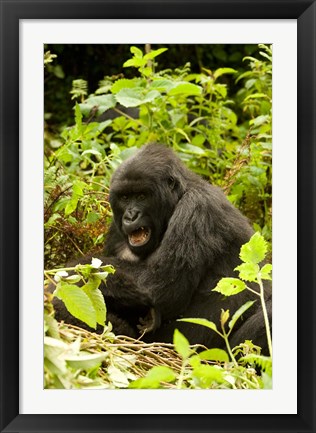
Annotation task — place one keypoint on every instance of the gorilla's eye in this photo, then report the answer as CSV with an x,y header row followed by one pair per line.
x,y
171,182
124,197
141,196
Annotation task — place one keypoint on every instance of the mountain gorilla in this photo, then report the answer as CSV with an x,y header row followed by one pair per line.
x,y
174,236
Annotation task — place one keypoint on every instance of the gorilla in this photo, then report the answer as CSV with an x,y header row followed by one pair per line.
x,y
173,237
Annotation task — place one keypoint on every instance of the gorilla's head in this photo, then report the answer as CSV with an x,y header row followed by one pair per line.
x,y
144,192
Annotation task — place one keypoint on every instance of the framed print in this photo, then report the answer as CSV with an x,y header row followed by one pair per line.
x,y
289,26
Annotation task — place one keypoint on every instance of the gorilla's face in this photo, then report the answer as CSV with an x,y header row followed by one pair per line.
x,y
143,200
141,214
133,214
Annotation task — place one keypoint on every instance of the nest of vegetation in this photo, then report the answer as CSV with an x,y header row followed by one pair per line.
x,y
75,358
137,356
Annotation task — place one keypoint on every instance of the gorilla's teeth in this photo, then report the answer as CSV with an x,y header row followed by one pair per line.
x,y
139,237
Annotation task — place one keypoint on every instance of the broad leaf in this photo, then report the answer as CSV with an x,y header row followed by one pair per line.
x,y
186,89
265,272
189,148
181,344
135,97
230,286
72,205
162,85
99,103
77,303
97,300
154,377
205,375
137,62
255,250
239,313
137,52
124,84
200,321
154,53
222,71
214,355
248,271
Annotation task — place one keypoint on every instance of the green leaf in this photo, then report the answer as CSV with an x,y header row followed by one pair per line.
x,y
136,62
264,362
198,140
162,85
230,286
260,120
154,53
221,89
78,187
108,268
255,250
150,96
181,344
248,271
137,52
77,303
186,89
189,148
205,375
154,377
84,270
100,103
92,217
135,97
124,83
265,272
256,96
195,361
71,205
239,313
214,355
222,71
147,71
91,152
97,300
200,321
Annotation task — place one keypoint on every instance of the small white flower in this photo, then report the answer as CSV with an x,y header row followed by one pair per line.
x,y
96,263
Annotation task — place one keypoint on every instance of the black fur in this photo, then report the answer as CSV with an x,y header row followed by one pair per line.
x,y
196,235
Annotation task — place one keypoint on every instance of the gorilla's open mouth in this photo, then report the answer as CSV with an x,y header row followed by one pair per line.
x,y
139,237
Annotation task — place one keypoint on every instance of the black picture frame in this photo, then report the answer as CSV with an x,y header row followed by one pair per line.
x,y
11,11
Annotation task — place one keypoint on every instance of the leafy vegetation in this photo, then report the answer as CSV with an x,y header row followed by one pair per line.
x,y
225,135
210,368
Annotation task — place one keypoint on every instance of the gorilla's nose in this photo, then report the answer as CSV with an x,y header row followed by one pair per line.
x,y
130,216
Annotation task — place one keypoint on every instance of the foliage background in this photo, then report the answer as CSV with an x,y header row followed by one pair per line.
x,y
210,103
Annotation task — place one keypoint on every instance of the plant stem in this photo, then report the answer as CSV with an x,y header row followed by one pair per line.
x,y
230,351
265,315
181,375
225,336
